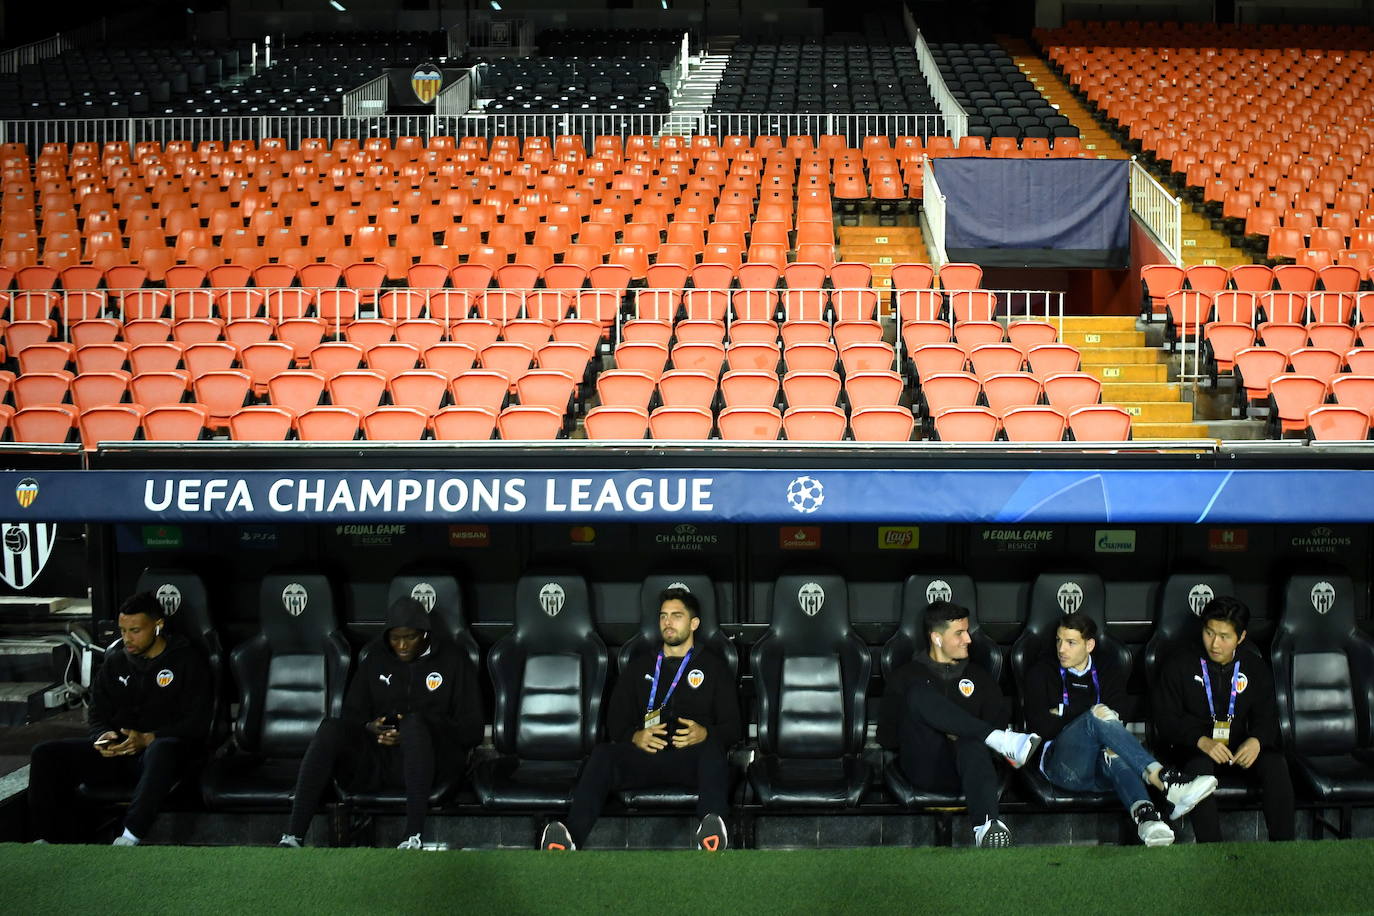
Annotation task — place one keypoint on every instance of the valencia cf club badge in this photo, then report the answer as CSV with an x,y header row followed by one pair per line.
x,y
966,687
695,677
164,677
434,680
427,80
26,492
1241,683
25,551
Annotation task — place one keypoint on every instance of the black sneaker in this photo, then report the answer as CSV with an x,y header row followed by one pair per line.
x,y
557,837
1183,792
710,834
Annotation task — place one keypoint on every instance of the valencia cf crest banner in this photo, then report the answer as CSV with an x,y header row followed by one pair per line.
x,y
426,80
24,551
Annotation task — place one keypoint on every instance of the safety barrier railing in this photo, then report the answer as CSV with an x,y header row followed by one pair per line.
x,y
455,99
676,75
1009,305
367,100
1158,210
14,58
933,215
854,127
956,119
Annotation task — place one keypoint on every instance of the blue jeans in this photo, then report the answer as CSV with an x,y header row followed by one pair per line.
x,y
1077,760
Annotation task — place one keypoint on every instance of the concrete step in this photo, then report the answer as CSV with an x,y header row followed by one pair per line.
x,y
1110,356
1169,431
1156,411
1129,372
1094,323
1097,338
880,235
1154,392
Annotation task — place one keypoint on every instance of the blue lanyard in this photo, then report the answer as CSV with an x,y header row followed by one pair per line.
x,y
653,688
1064,680
1207,686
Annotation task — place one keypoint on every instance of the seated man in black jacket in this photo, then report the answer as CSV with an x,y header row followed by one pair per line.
x,y
941,712
1077,706
1217,709
151,707
673,717
411,712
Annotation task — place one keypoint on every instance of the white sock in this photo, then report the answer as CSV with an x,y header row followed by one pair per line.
x,y
129,836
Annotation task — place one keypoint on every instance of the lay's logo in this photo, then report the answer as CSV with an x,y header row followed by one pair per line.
x,y
906,537
164,677
434,680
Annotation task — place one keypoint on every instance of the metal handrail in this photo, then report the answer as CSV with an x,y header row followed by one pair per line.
x,y
1158,210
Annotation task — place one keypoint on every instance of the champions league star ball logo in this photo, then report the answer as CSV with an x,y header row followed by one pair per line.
x,y
939,590
805,494
169,596
424,593
1198,596
1323,597
551,598
1070,597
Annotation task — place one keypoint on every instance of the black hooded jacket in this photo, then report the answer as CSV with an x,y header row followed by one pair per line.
x,y
168,695
439,686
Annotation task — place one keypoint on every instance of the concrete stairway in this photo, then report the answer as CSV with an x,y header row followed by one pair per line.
x,y
1095,140
1134,376
696,92
880,247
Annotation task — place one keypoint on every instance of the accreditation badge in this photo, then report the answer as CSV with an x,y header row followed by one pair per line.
x,y
653,717
1221,732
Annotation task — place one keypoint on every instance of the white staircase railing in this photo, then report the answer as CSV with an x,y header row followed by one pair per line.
x,y
956,119
1160,211
933,215
366,100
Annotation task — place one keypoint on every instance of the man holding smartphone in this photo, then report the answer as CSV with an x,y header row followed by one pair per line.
x,y
151,707
411,712
673,716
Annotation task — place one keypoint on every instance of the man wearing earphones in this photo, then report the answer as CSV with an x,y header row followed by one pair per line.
x,y
151,707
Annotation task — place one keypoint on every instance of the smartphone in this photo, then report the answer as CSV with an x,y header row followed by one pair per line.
x,y
107,741
391,723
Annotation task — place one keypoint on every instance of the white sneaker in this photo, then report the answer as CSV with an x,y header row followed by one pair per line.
x,y
1185,793
992,835
411,842
710,834
287,841
557,837
1150,827
124,841
1016,747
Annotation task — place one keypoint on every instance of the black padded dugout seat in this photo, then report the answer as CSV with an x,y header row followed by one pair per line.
x,y
1324,679
1052,596
810,672
1178,628
186,610
549,674
919,590
290,676
649,640
442,598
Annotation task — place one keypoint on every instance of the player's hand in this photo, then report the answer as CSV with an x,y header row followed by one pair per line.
x,y
136,742
651,740
1247,753
1219,752
107,749
689,734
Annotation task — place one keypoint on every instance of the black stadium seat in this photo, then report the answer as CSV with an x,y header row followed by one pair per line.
x,y
811,671
648,640
918,591
290,676
1324,678
443,599
549,674
1052,596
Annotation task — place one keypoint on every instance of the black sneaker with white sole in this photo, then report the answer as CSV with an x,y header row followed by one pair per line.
x,y
992,835
557,838
710,835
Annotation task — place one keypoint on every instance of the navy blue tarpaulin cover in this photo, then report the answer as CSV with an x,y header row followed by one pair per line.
x,y
1057,213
